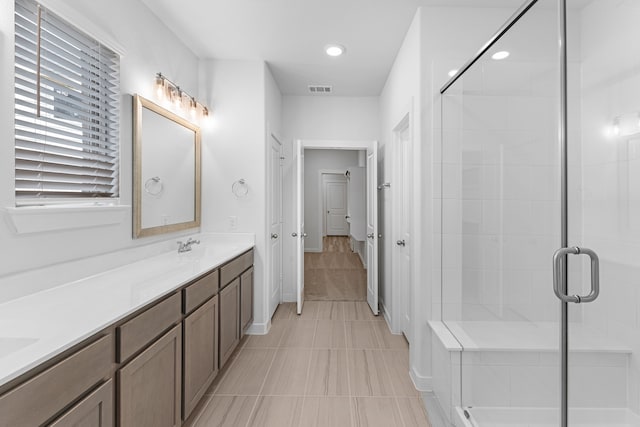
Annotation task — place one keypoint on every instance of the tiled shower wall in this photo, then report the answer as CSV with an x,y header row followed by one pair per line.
x,y
501,189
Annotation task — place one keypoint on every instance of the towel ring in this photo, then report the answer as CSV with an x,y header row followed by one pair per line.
x,y
240,188
154,186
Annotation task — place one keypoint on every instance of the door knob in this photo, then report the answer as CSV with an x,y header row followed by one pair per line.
x,y
370,235
304,235
274,236
294,234
401,243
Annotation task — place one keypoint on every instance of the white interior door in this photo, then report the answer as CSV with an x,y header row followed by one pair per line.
x,y
275,224
335,204
299,234
372,227
403,235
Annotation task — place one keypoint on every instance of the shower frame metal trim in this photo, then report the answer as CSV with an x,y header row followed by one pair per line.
x,y
493,40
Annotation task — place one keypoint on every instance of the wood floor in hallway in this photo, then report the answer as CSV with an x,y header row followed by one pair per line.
x,y
335,365
336,273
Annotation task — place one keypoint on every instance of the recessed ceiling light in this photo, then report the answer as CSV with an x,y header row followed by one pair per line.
x,y
500,55
334,49
453,73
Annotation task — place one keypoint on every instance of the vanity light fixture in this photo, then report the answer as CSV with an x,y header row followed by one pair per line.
x,y
334,50
500,55
171,93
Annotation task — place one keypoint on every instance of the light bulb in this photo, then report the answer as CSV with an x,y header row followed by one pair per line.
x,y
193,107
160,89
177,100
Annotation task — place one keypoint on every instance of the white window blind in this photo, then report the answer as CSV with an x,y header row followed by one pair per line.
x,y
66,111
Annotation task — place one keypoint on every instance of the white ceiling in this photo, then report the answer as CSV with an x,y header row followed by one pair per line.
x,y
290,36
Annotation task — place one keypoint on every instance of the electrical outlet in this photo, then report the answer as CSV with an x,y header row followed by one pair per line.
x,y
233,222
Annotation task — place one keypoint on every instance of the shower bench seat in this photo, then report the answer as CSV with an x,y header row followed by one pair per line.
x,y
490,369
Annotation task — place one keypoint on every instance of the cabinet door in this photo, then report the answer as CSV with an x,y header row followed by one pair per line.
x,y
246,300
150,385
229,320
95,410
200,353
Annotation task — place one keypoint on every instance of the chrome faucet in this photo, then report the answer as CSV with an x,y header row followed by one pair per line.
x,y
186,246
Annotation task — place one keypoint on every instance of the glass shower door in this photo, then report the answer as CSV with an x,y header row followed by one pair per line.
x,y
603,195
501,223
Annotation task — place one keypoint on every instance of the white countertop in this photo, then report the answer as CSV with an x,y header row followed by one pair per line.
x,y
39,326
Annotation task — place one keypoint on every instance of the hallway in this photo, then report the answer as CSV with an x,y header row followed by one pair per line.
x,y
334,365
335,274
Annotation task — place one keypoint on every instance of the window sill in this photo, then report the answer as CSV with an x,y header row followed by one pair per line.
x,y
39,219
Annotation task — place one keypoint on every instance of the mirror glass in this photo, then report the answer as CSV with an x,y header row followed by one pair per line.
x,y
166,170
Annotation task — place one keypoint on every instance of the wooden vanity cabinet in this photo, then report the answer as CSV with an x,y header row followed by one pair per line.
x,y
200,334
150,384
42,398
246,300
150,369
229,320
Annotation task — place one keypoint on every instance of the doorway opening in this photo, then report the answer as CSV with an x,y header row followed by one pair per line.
x,y
336,221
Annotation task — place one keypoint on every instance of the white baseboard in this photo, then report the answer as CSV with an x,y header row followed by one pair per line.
x,y
314,250
259,328
385,313
364,262
437,416
421,383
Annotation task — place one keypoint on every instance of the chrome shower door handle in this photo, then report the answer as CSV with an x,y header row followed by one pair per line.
x,y
558,276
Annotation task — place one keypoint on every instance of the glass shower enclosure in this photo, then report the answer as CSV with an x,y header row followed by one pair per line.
x,y
541,218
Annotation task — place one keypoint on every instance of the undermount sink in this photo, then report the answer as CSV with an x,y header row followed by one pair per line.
x,y
11,345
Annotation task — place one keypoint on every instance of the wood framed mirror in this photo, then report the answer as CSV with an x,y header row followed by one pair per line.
x,y
166,170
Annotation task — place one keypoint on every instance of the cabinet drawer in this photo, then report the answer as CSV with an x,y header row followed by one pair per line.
x,y
142,329
37,400
233,269
200,291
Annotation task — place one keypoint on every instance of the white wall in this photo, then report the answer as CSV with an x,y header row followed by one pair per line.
x,y
236,149
400,96
144,54
318,117
314,162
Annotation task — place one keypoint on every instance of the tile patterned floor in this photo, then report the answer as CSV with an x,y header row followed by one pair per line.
x,y
336,274
335,365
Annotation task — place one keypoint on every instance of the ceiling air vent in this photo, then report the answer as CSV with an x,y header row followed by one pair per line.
x,y
320,89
